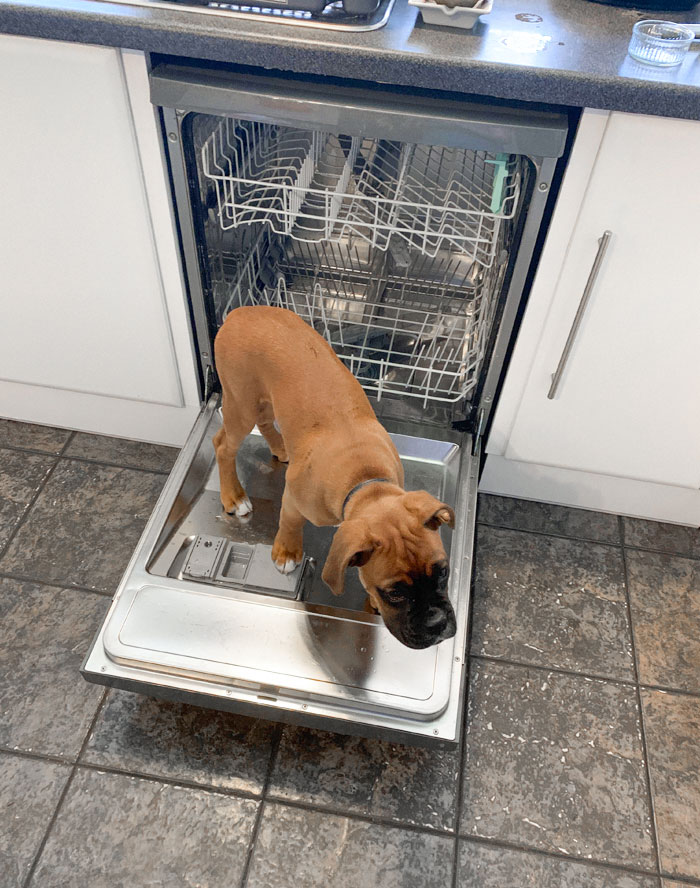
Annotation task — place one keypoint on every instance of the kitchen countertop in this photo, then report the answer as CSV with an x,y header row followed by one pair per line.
x,y
567,52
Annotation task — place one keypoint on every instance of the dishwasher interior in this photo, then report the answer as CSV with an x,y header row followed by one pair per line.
x,y
409,257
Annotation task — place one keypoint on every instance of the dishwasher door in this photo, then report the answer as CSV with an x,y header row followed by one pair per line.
x,y
183,628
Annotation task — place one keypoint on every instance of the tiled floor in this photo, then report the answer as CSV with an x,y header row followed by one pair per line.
x,y
581,761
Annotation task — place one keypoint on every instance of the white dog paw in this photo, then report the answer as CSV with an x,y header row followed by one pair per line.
x,y
245,507
286,567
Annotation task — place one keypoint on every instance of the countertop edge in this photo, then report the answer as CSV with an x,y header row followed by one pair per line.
x,y
309,56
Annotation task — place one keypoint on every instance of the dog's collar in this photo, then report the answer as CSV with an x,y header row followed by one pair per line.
x,y
359,487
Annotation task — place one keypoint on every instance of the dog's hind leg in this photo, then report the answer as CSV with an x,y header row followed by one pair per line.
x,y
266,424
237,424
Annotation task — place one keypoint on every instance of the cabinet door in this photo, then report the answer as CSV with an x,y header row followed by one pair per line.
x,y
83,306
628,403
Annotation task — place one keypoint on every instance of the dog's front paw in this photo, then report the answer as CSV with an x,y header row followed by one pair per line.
x,y
241,507
286,567
286,560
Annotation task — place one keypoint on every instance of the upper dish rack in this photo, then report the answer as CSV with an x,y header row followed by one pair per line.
x,y
314,186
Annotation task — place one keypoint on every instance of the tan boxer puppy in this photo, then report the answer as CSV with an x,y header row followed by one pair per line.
x,y
343,470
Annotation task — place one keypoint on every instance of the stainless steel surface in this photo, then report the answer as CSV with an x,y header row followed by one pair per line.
x,y
321,656
588,289
297,17
380,114
542,173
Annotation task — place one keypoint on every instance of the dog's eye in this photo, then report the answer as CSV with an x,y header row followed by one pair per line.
x,y
392,597
443,571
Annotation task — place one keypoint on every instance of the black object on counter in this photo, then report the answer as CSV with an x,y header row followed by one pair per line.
x,y
651,5
351,7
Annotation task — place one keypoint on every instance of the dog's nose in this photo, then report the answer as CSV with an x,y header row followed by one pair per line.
x,y
436,620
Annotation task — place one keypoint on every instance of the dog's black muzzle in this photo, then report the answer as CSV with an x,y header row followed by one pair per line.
x,y
422,630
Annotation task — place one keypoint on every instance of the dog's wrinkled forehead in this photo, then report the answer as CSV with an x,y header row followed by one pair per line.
x,y
402,533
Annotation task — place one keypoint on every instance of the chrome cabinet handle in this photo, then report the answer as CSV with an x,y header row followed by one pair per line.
x,y
588,289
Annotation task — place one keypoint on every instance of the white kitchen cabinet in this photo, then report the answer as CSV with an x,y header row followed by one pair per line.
x,y
622,432
94,330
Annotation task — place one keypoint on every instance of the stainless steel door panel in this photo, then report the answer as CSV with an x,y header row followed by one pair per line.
x,y
216,638
382,113
318,660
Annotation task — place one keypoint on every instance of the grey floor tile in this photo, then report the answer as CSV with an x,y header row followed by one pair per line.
x,y
20,477
673,538
369,777
162,739
518,514
665,604
554,762
123,452
115,831
34,437
672,728
551,602
297,848
45,705
29,793
487,866
84,525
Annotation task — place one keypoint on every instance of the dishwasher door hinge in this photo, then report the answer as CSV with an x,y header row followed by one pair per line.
x,y
210,382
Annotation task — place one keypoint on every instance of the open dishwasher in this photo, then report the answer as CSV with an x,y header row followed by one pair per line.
x,y
402,229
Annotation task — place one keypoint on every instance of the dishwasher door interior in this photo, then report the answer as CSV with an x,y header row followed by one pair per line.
x,y
202,615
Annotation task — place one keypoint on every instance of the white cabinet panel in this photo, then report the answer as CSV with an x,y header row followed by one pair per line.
x,y
629,401
82,296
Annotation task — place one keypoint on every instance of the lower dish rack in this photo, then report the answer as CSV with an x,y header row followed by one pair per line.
x,y
405,324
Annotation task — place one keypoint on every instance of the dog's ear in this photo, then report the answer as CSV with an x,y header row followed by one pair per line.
x,y
430,511
352,546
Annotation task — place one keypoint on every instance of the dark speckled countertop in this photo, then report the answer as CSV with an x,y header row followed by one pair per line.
x,y
575,55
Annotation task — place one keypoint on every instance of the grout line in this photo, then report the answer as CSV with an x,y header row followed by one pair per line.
x,y
560,536
37,756
681,692
589,675
545,533
86,459
375,820
253,842
642,730
53,584
586,861
114,465
662,552
37,493
64,793
682,880
32,450
86,765
259,813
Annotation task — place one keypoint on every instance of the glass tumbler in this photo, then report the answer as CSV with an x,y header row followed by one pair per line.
x,y
659,43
